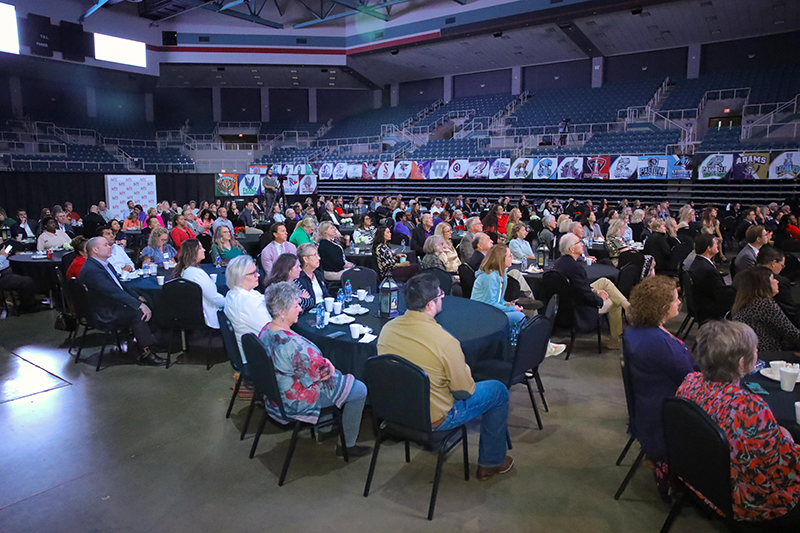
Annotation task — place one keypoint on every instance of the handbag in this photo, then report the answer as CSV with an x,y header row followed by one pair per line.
x,y
65,322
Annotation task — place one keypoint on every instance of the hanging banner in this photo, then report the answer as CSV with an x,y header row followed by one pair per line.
x,y
479,169
121,188
354,170
596,168
326,171
226,185
499,168
258,169
370,170
570,168
544,168
680,167
249,184
653,167
439,169
292,183
715,166
421,170
522,168
750,166
785,166
402,171
340,171
386,170
308,184
624,167
458,169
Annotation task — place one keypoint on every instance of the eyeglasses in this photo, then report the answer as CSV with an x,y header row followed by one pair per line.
x,y
253,273
441,294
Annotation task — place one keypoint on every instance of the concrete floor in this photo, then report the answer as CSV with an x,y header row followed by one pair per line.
x,y
147,449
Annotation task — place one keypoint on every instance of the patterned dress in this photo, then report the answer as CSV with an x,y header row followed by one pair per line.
x,y
299,369
765,465
775,332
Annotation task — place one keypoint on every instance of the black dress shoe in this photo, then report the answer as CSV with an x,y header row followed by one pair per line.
x,y
151,359
354,451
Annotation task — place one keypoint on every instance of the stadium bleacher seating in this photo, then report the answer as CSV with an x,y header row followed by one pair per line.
x,y
476,106
369,124
276,128
457,148
729,140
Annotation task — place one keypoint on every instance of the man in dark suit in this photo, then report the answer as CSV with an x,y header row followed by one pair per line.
x,y
62,223
27,228
481,245
113,303
420,234
756,237
748,220
775,260
713,297
330,215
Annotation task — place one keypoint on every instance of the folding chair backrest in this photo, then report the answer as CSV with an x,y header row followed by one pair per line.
x,y
79,299
399,392
445,280
361,278
467,277
182,303
629,276
262,370
532,344
512,289
229,341
554,283
627,383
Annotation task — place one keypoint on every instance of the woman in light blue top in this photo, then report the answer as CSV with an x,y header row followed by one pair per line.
x,y
491,281
520,248
158,250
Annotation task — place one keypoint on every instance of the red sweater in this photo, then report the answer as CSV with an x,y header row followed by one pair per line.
x,y
179,235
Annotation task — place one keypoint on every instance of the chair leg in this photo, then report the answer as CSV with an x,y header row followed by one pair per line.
x,y
258,434
571,342
378,438
533,403
508,440
625,451
102,350
208,350
408,453
338,416
169,345
290,452
688,329
541,389
674,511
466,451
233,397
683,325
80,348
436,478
249,415
631,472
119,344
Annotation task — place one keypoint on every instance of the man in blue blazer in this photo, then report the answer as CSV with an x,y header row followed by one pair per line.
x,y
111,302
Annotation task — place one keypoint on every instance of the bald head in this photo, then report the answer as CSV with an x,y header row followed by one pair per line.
x,y
99,248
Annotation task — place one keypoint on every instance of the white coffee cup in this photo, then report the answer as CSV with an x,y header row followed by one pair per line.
x,y
797,412
355,330
788,378
337,308
327,317
160,280
361,294
329,304
213,277
776,367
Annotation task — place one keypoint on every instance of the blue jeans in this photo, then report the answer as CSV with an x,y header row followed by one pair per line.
x,y
490,400
351,411
514,317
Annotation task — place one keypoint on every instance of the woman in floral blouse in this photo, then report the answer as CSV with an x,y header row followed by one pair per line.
x,y
387,260
765,461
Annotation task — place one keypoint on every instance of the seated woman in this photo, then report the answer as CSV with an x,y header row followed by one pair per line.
x,y
308,382
79,245
365,231
51,237
615,243
187,268
657,245
205,220
520,248
448,254
765,461
389,262
514,218
591,229
310,280
302,233
158,250
686,232
331,253
491,281
180,231
132,221
754,305
287,268
153,212
244,305
432,248
225,246
657,363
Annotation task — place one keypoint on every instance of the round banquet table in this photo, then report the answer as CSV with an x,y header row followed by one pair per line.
x,y
781,403
597,249
151,290
250,243
346,229
362,255
593,272
41,270
481,329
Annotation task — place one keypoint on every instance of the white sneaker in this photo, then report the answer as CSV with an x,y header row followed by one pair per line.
x,y
555,349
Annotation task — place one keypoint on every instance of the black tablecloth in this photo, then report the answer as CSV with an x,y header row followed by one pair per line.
x,y
250,243
594,272
481,329
597,249
42,271
781,403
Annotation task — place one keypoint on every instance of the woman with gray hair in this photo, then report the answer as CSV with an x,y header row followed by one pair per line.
x,y
310,279
765,461
433,247
244,305
308,382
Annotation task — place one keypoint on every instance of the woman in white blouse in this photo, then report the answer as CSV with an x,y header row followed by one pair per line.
x,y
310,279
245,307
188,269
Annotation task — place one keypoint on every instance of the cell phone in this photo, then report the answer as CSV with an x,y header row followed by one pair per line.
x,y
8,249
335,334
756,388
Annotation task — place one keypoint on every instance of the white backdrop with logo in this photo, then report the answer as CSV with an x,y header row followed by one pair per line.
x,y
141,188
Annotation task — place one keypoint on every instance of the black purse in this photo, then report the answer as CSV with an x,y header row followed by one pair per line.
x,y
66,322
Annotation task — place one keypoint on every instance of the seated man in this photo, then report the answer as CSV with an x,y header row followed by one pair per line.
x,y
118,259
480,245
63,224
455,397
756,237
465,249
280,245
14,282
119,305
601,293
24,228
713,297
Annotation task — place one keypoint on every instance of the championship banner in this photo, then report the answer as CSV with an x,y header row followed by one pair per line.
x,y
544,168
522,168
439,169
249,184
339,171
459,169
140,188
292,184
308,184
402,171
785,166
370,170
715,166
624,167
326,171
596,168
258,169
421,170
680,167
499,168
386,170
226,185
570,168
653,167
479,169
354,170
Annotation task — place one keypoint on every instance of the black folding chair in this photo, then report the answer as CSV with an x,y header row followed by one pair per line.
x,y
576,318
445,279
182,302
630,402
262,372
399,392
628,278
467,277
235,357
676,258
361,278
81,299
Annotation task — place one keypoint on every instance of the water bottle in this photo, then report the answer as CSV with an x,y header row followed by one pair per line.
x,y
340,297
348,291
217,262
524,264
320,315
514,334
352,246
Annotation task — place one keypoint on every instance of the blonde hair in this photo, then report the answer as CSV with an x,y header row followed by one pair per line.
x,y
615,228
495,259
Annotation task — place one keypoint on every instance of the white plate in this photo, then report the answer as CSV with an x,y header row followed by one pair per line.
x,y
355,310
341,320
768,373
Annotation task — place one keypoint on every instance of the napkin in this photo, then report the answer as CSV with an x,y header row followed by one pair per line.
x,y
367,338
